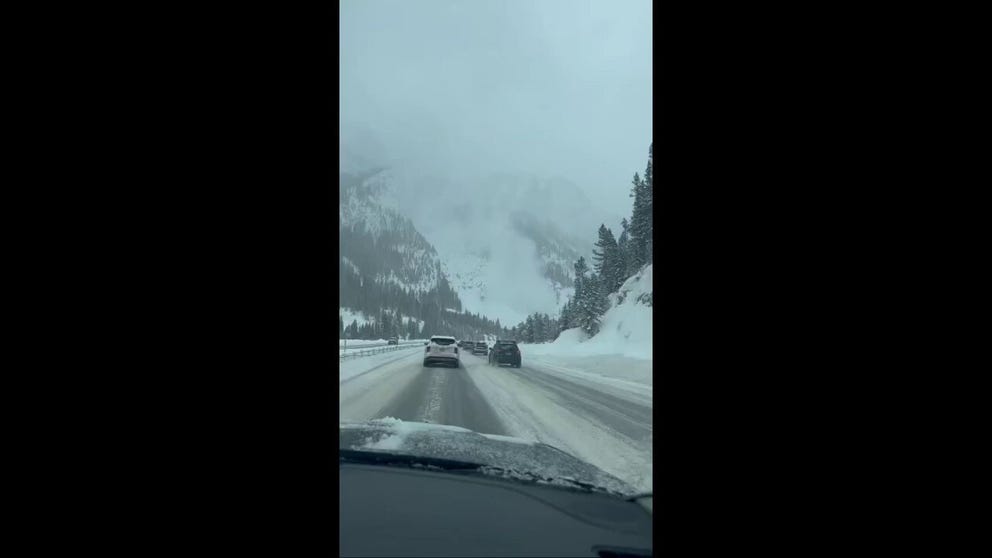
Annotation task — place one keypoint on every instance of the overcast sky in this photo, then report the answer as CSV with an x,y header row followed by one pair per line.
x,y
462,87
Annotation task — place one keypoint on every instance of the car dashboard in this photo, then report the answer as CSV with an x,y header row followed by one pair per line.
x,y
396,511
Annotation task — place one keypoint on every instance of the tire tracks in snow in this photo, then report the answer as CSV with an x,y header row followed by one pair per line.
x,y
444,396
561,418
621,415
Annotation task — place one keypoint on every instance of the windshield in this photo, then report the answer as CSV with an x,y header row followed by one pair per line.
x,y
496,216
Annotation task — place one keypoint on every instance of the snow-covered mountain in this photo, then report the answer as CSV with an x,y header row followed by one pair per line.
x,y
378,241
505,243
391,276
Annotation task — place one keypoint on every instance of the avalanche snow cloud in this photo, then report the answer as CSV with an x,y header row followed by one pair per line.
x,y
504,263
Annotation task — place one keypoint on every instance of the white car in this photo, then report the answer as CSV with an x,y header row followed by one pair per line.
x,y
442,349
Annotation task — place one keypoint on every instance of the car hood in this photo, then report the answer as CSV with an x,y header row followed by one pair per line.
x,y
503,456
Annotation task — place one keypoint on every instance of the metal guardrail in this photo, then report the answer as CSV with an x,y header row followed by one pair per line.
x,y
376,349
383,344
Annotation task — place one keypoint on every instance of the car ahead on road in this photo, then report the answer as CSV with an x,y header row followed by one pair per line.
x,y
441,349
480,348
451,491
468,345
505,352
393,341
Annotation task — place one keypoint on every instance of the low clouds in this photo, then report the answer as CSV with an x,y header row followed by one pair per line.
x,y
464,88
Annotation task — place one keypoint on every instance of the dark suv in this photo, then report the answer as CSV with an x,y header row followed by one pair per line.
x,y
505,352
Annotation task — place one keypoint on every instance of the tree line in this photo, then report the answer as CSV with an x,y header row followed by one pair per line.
x,y
614,261
537,328
388,323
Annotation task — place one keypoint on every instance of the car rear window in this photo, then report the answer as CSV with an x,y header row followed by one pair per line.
x,y
508,343
437,341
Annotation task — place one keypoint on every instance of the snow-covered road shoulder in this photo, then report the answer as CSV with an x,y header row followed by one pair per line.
x,y
354,367
608,424
608,372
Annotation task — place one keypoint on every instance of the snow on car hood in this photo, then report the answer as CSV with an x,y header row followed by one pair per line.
x,y
507,453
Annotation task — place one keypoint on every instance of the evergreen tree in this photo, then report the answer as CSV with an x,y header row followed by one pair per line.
x,y
573,308
649,203
565,317
600,253
592,305
640,230
580,276
623,245
609,261
549,328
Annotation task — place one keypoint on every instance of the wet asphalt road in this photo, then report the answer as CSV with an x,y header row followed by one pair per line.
x,y
445,395
442,395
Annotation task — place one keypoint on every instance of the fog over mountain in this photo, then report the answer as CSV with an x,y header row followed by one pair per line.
x,y
458,89
505,131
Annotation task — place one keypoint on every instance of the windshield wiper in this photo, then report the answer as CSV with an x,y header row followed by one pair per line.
x,y
383,458
529,477
467,467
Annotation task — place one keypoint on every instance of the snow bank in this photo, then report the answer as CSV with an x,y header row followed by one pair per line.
x,y
352,367
625,330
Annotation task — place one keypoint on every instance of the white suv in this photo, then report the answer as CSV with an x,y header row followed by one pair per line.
x,y
442,348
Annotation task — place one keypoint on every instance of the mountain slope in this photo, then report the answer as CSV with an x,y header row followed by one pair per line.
x,y
379,242
626,328
389,272
504,243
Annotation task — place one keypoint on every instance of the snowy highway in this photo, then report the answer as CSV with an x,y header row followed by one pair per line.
x,y
605,422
